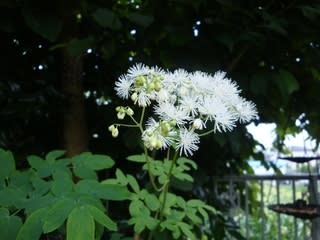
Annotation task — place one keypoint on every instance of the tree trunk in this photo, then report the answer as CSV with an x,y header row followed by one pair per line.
x,y
75,134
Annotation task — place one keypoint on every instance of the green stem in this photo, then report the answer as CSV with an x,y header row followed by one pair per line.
x,y
135,121
142,114
165,189
125,125
167,184
151,177
206,133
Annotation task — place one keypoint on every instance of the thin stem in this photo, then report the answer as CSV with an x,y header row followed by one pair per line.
x,y
125,125
165,189
167,184
135,121
151,177
206,133
142,115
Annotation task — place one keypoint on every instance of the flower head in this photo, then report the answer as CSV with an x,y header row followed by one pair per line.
x,y
123,86
187,142
183,103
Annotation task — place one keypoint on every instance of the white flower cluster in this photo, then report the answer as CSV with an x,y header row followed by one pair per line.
x,y
183,104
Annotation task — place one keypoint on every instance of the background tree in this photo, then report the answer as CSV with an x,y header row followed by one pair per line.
x,y
59,63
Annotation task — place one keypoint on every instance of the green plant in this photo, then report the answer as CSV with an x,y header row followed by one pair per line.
x,y
184,104
65,194
46,197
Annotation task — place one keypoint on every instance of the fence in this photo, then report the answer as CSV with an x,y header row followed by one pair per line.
x,y
282,189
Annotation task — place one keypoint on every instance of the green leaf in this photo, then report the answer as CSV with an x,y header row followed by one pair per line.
x,y
41,186
141,20
141,222
99,162
138,158
80,224
4,212
93,161
133,183
192,214
42,167
62,182
204,214
184,176
102,218
195,203
54,155
32,228
89,200
7,165
10,196
33,204
186,229
46,24
104,191
21,180
152,202
9,225
57,214
183,161
107,19
137,208
84,172
121,177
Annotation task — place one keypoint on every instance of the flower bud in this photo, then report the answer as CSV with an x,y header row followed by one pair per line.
x,y
197,124
139,81
172,123
157,86
121,115
111,128
151,86
129,111
115,132
134,97
153,142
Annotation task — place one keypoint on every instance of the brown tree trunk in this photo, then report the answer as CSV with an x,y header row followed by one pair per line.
x,y
75,134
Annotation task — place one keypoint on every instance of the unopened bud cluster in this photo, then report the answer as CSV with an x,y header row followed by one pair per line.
x,y
123,111
114,130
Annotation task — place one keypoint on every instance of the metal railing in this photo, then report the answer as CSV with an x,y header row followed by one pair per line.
x,y
285,189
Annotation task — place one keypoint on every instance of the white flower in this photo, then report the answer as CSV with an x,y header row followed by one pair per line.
x,y
225,89
245,110
123,86
190,105
138,70
163,95
202,82
183,102
187,142
143,99
168,111
217,111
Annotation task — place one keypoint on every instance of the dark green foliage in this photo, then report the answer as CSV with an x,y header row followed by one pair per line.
x,y
48,196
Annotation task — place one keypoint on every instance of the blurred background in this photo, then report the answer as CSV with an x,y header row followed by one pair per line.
x,y
60,59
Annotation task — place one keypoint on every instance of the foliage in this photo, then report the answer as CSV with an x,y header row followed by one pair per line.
x,y
45,197
64,195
